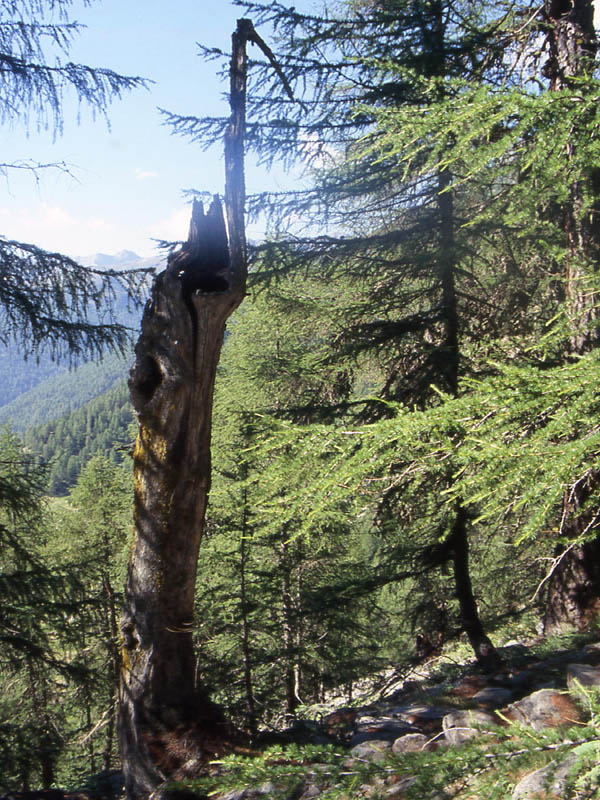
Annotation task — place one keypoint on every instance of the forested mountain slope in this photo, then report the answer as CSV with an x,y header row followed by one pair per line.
x,y
34,391
63,392
99,427
19,376
66,412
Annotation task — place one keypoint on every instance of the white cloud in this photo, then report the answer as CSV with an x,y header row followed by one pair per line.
x,y
57,228
67,229
173,227
144,174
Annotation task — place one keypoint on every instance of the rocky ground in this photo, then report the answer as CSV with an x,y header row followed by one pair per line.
x,y
429,711
438,705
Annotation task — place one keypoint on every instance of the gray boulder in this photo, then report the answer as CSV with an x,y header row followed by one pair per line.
x,y
462,725
250,793
410,743
582,675
493,697
373,750
551,780
383,729
544,708
548,781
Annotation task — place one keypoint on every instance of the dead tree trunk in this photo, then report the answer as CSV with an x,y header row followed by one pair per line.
x,y
168,727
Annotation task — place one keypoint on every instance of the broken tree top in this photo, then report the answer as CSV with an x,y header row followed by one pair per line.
x,y
203,264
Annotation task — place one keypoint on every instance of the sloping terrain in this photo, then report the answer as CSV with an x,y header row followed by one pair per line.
x,y
63,392
34,391
441,730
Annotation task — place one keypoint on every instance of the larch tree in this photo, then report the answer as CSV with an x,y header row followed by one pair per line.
x,y
528,157
574,587
274,593
397,235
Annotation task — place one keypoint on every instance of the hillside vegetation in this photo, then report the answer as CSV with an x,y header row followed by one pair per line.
x,y
405,441
102,426
63,392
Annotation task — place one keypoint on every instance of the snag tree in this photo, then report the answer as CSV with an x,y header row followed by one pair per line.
x,y
168,725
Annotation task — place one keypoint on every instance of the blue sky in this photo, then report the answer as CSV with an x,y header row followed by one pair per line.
x,y
127,180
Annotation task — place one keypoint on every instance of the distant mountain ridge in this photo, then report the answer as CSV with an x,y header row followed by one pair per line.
x,y
125,259
37,390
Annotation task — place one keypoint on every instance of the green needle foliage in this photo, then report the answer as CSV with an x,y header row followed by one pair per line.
x,y
451,198
515,441
39,601
269,629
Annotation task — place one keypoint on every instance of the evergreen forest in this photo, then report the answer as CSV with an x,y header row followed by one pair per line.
x,y
406,419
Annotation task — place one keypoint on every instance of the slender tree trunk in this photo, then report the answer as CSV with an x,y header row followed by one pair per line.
x,y
483,648
289,677
299,629
86,702
486,654
574,588
246,656
46,752
112,634
450,350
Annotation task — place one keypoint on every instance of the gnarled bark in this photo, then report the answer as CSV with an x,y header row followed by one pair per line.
x,y
167,725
